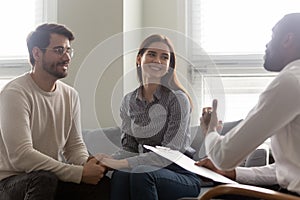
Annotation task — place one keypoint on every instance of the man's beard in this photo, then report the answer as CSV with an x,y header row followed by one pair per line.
x,y
52,69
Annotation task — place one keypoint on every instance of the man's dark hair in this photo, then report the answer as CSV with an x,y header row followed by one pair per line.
x,y
41,37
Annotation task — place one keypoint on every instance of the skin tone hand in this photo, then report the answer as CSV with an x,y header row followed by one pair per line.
x,y
214,123
92,171
207,163
110,162
114,164
100,156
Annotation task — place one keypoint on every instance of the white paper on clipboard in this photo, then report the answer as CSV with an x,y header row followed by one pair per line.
x,y
188,163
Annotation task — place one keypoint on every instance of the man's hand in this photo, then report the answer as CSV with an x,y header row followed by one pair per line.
x,y
92,172
213,124
206,162
209,121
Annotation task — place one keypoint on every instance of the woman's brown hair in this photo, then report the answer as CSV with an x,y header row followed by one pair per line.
x,y
170,80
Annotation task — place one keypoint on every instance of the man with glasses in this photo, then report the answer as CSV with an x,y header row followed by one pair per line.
x,y
40,124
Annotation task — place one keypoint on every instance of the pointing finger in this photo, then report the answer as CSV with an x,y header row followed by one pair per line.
x,y
215,105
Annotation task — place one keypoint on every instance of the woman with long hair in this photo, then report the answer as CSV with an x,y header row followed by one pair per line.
x,y
157,113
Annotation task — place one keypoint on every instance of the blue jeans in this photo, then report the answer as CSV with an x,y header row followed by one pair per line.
x,y
44,185
153,183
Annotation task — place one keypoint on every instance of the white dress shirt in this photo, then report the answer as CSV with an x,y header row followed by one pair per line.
x,y
276,115
264,175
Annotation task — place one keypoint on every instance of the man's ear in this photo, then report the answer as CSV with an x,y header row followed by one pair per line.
x,y
36,53
288,40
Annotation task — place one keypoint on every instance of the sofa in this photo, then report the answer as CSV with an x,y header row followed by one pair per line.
x,y
107,140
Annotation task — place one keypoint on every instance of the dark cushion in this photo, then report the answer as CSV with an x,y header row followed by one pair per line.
x,y
257,158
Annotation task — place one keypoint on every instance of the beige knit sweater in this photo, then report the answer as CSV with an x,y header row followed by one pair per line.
x,y
36,127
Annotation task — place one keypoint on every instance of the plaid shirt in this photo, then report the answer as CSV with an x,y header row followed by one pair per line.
x,y
165,122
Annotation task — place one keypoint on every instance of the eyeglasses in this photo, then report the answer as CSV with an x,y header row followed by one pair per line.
x,y
61,51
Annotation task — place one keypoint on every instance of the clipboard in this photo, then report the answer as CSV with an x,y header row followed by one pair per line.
x,y
188,163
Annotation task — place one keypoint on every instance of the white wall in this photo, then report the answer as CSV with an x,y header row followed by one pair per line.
x,y
133,21
167,17
105,30
94,22
145,17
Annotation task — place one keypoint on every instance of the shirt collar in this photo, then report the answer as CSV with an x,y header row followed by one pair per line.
x,y
157,94
292,64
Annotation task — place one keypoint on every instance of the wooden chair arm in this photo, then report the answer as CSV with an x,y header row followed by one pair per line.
x,y
246,190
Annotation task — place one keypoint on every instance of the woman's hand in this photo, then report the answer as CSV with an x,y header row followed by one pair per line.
x,y
100,156
113,163
110,162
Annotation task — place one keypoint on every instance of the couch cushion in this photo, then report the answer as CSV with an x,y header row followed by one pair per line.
x,y
198,138
106,140
258,157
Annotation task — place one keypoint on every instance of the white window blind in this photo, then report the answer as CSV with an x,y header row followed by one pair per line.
x,y
230,36
235,27
17,19
238,92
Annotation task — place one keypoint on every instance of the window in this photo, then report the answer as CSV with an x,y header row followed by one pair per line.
x,y
235,27
230,36
17,19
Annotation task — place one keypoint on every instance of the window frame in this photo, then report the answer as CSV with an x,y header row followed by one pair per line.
x,y
11,67
235,65
222,59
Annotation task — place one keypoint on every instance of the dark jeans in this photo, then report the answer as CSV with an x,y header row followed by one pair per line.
x,y
153,183
43,185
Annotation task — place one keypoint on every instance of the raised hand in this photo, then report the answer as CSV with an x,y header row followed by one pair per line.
x,y
213,124
209,121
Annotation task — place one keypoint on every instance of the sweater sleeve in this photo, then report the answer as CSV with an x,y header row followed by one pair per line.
x,y
75,150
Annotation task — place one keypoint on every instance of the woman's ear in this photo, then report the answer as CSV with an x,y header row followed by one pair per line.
x,y
138,60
